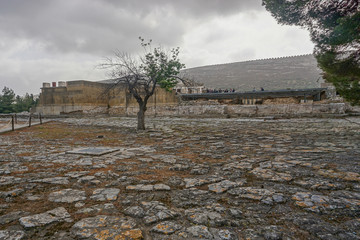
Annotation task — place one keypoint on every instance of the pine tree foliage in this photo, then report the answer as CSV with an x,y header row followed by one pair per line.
x,y
334,27
10,103
7,99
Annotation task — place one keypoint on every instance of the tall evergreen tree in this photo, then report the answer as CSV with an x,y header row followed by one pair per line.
x,y
334,27
24,103
11,104
7,99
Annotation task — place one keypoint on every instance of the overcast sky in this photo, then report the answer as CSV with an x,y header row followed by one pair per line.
x,y
57,40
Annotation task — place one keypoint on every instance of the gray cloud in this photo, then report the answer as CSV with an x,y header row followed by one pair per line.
x,y
52,40
245,54
193,8
100,26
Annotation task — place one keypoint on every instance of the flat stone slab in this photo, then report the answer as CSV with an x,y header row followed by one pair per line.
x,y
76,174
10,217
107,227
271,175
199,232
223,186
67,196
166,227
347,176
37,220
135,211
12,193
93,151
140,187
8,180
108,208
320,203
54,180
196,182
149,187
200,216
105,194
86,179
156,211
161,187
251,193
12,235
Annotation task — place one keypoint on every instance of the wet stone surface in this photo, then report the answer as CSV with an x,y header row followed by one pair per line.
x,y
181,179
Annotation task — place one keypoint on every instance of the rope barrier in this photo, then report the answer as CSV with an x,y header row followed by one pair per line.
x,y
9,123
21,122
27,122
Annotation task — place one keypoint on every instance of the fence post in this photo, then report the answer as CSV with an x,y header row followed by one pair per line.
x,y
30,120
15,118
12,123
40,118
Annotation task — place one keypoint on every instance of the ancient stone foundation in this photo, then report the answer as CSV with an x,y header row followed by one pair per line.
x,y
199,109
207,109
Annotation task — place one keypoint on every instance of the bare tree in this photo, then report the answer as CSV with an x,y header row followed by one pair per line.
x,y
141,75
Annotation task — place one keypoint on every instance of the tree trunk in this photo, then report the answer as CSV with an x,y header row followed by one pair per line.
x,y
141,117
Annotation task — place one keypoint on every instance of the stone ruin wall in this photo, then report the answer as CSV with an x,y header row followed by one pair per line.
x,y
289,100
77,97
218,110
84,97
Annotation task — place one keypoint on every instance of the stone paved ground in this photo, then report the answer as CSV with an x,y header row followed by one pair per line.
x,y
182,179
